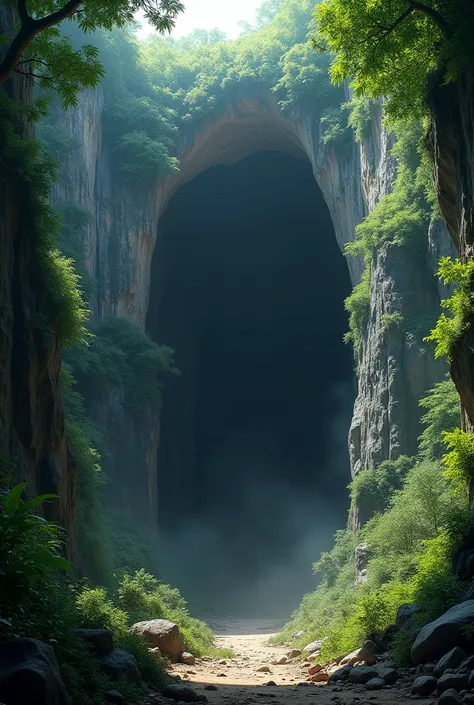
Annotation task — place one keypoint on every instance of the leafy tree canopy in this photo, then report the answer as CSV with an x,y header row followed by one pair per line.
x,y
391,48
39,49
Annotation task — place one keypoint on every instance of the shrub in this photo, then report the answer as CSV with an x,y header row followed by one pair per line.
x,y
450,328
459,462
442,413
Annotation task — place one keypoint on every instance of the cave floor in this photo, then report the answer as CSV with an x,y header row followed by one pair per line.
x,y
238,680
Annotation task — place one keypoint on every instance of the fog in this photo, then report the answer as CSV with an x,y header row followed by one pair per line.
x,y
248,287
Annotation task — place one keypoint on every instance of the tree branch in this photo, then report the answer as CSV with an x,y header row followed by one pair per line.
x,y
433,14
29,29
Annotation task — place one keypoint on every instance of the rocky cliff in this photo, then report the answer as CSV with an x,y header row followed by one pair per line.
x,y
33,443
394,369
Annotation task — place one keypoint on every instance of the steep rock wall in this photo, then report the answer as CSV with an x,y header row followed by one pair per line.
x,y
393,369
33,444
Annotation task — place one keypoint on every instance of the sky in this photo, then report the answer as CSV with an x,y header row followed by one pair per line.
x,y
207,14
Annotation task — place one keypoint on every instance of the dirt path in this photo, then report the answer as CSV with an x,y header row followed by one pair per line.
x,y
238,680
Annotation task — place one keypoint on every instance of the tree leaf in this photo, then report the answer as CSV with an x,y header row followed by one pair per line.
x,y
13,499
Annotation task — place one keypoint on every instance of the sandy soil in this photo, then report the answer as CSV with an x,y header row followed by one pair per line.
x,y
238,680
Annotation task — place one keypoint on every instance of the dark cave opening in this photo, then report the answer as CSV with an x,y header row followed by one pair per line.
x,y
248,286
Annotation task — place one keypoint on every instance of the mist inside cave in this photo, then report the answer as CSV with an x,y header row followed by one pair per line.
x,y
248,286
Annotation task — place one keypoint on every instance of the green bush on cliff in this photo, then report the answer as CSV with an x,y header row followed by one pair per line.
x,y
418,522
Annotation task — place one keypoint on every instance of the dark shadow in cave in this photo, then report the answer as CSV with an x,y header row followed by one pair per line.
x,y
248,287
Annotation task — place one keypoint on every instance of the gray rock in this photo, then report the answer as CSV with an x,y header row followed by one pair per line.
x,y
183,693
341,674
187,658
299,635
453,659
423,685
29,674
113,696
455,681
446,632
405,614
467,665
375,684
449,697
362,674
471,680
211,686
468,699
100,640
362,555
163,634
313,646
390,675
118,663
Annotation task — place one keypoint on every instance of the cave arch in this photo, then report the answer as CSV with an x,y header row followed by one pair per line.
x,y
186,284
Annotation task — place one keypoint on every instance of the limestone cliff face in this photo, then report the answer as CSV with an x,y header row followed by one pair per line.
x,y
393,369
33,443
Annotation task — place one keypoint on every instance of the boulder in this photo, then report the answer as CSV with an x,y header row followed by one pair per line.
x,y
444,633
375,684
29,673
385,638
100,640
468,699
453,659
366,653
423,685
182,693
449,697
316,654
405,614
390,675
118,663
453,681
299,634
163,634
467,665
187,658
341,673
313,646
362,674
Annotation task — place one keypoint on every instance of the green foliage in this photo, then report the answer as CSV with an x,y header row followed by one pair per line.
x,y
61,309
451,327
442,413
357,305
142,160
334,130
372,491
391,49
459,461
392,320
417,522
98,611
120,356
360,115
30,546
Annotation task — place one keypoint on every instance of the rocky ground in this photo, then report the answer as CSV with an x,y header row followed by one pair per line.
x,y
253,676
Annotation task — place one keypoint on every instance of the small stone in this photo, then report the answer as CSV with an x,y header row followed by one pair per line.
x,y
319,677
113,696
270,683
375,684
449,697
390,675
222,662
280,661
313,646
156,651
222,675
187,658
210,686
315,668
294,653
264,669
423,685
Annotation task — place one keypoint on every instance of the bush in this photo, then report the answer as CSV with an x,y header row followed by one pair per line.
x,y
450,328
372,490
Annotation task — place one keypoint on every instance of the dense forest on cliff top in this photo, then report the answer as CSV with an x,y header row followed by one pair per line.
x,y
156,96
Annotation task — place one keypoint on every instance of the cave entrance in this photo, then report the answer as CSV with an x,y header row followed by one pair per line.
x,y
248,286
